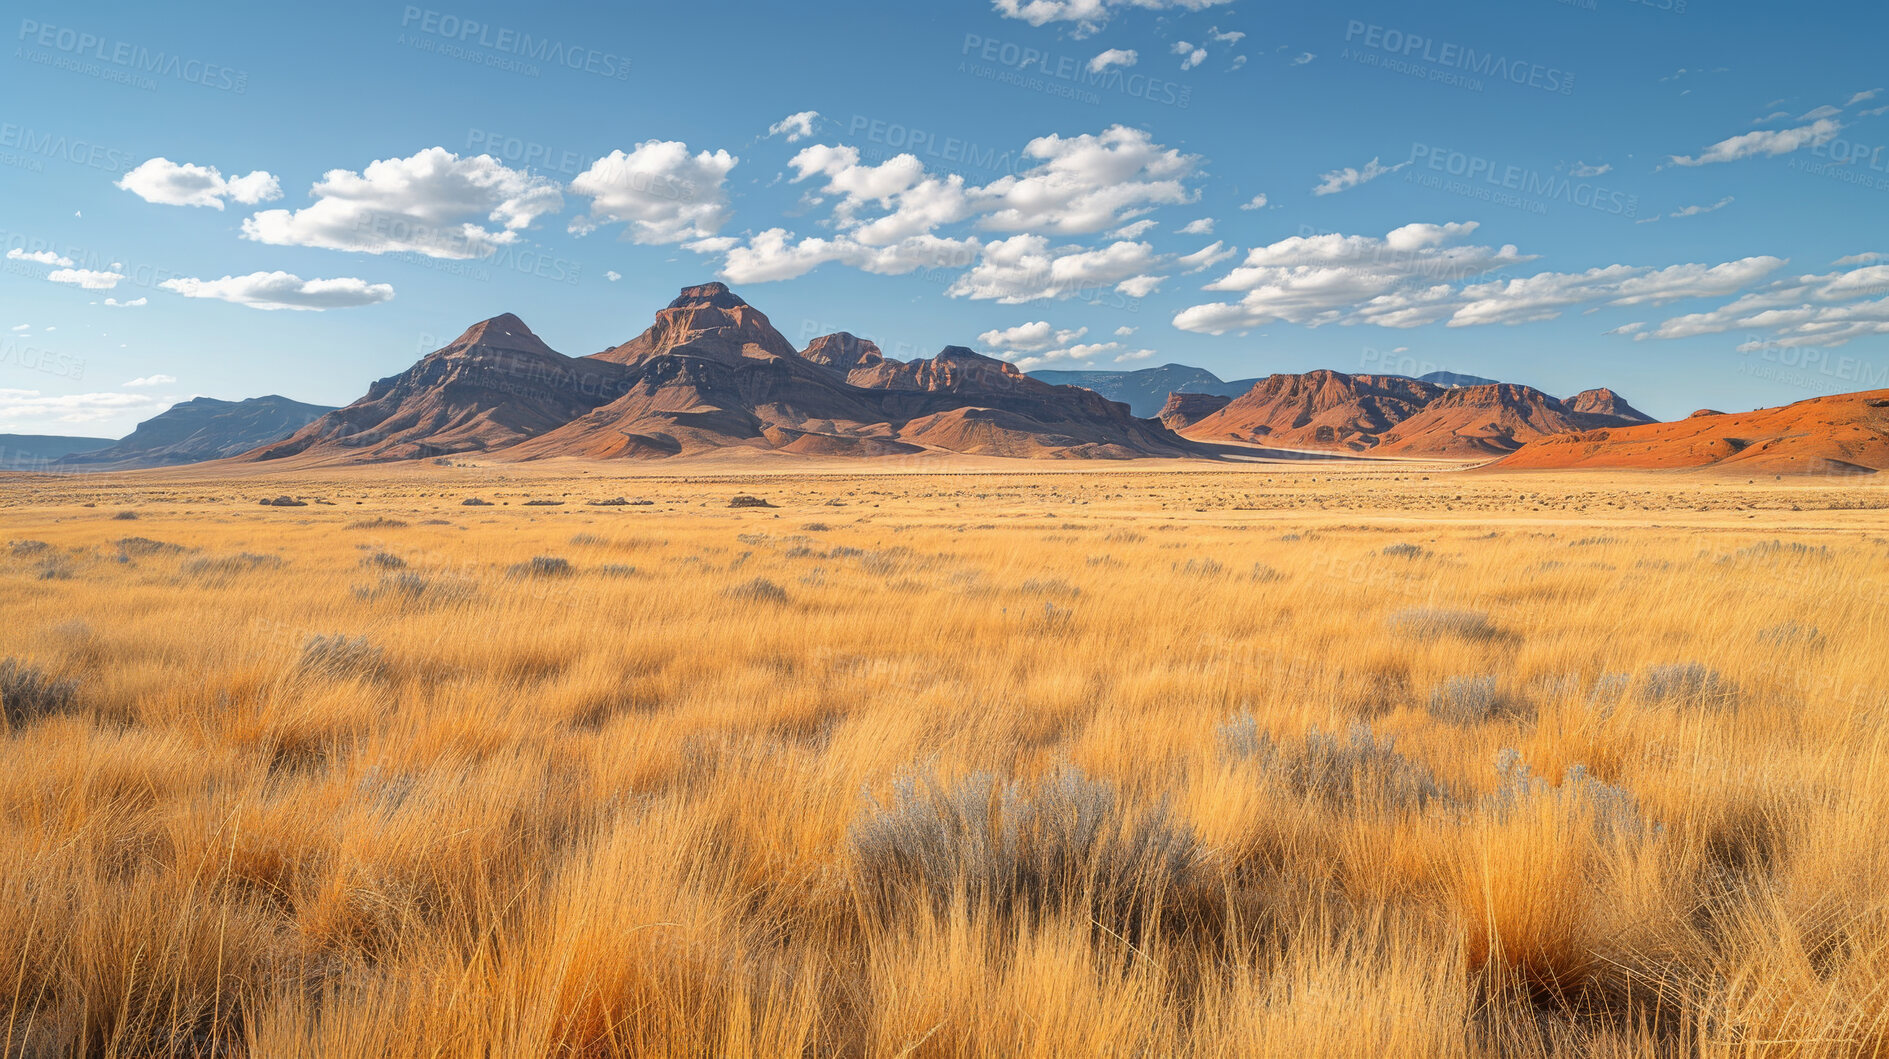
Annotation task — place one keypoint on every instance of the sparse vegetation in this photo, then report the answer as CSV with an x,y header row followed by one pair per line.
x,y
1123,762
27,694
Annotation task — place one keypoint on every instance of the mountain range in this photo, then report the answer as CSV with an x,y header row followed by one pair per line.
x,y
712,376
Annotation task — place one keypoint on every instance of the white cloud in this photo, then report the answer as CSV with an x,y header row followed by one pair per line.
x,y
613,275
22,327
1776,115
1825,310
1025,268
169,183
1123,57
1765,142
39,257
1206,257
775,254
1415,275
1694,211
90,279
1135,230
1342,179
1087,183
1202,226
281,290
1088,15
1124,331
797,126
19,407
1625,329
1140,286
1232,36
661,192
1190,55
132,304
1303,58
1867,258
1030,338
1862,97
1581,170
434,203
151,380
1825,111
1257,202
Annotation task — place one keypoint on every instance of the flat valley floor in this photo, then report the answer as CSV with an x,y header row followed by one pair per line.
x,y
1295,759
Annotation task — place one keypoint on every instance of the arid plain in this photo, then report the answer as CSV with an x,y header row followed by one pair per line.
x,y
946,759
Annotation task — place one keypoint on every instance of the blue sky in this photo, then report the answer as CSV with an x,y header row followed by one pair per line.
x,y
1683,200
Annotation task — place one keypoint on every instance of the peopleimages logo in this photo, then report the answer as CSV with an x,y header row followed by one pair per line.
x,y
1067,75
465,31
1448,56
75,47
1512,185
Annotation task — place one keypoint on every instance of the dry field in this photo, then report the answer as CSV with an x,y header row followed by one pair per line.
x,y
1278,761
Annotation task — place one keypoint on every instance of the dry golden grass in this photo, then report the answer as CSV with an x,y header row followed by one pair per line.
x,y
1278,761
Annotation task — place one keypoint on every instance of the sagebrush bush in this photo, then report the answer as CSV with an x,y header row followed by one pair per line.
x,y
1466,700
1686,683
27,694
409,589
1364,767
759,590
1009,849
1430,623
542,566
343,657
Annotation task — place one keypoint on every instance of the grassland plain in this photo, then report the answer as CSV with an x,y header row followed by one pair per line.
x,y
1302,760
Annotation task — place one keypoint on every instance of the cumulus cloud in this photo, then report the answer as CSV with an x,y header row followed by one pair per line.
x,y
1202,226
776,254
132,304
885,218
1343,179
151,380
1123,57
1025,268
1087,183
1088,15
1422,273
169,183
613,275
1824,310
1866,258
282,290
797,126
1303,58
433,203
1030,338
90,279
1763,142
1190,55
39,257
1257,202
660,192
1581,170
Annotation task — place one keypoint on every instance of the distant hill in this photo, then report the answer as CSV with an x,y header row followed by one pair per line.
x,y
200,429
1844,434
1145,390
36,452
1394,415
1452,379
